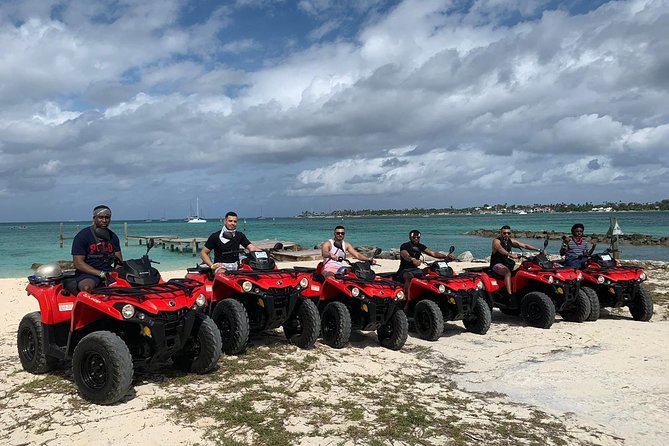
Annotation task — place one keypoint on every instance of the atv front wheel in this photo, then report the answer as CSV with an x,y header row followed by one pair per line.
x,y
232,320
642,307
31,345
595,307
428,319
393,334
303,327
579,309
538,310
102,367
336,324
479,320
202,349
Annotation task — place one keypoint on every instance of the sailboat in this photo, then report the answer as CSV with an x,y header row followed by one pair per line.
x,y
196,218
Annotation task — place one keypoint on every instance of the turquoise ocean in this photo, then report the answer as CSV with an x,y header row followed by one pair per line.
x,y
22,244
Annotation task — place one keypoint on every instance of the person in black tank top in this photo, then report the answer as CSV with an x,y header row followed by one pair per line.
x,y
502,259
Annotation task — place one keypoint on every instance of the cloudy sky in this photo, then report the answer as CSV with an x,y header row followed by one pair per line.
x,y
279,106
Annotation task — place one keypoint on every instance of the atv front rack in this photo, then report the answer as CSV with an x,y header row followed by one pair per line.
x,y
171,286
367,281
244,272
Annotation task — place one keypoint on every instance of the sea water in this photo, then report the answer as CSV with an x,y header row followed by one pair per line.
x,y
22,244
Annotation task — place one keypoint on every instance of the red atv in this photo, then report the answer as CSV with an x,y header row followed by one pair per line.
x,y
136,320
358,299
441,295
609,284
259,297
540,287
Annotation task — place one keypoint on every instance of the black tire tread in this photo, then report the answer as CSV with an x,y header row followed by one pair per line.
x,y
545,306
238,318
120,365
580,309
430,310
41,363
209,339
642,309
480,320
310,322
595,306
398,326
342,322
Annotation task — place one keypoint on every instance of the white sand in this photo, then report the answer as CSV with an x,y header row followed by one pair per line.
x,y
610,374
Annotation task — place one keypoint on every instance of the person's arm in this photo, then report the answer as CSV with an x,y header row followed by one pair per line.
x,y
438,255
252,247
518,244
351,250
565,245
325,250
81,265
592,248
497,247
204,255
406,256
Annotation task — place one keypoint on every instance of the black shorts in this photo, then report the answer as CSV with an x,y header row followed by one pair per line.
x,y
415,272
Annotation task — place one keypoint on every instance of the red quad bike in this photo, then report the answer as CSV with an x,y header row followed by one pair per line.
x,y
540,287
441,295
609,284
358,299
259,297
137,320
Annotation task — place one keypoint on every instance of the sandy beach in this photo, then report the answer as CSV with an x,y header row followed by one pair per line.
x,y
602,383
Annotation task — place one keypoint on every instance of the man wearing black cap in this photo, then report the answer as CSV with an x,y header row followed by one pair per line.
x,y
94,249
410,253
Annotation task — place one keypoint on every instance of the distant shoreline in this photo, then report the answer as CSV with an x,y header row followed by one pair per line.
x,y
628,239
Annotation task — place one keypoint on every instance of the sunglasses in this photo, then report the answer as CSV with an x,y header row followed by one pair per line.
x,y
506,233
340,233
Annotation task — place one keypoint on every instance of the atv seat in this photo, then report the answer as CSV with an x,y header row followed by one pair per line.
x,y
70,286
487,270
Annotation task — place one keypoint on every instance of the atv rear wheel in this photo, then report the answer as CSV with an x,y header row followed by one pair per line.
x,y
538,310
31,345
595,307
232,320
579,309
642,307
393,334
202,349
428,319
479,320
304,325
102,367
336,324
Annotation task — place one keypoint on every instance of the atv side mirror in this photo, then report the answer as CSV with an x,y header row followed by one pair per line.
x,y
545,243
377,251
150,243
451,249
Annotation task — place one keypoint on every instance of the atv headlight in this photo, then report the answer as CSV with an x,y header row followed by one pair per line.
x,y
355,292
479,285
247,286
400,295
441,288
201,300
643,277
304,282
580,276
551,279
128,311
600,279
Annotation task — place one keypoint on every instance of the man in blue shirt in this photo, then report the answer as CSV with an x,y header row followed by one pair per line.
x,y
94,250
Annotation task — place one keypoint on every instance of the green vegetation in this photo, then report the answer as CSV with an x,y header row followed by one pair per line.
x,y
495,208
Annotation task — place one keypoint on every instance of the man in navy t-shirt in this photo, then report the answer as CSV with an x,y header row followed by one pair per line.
x,y
94,249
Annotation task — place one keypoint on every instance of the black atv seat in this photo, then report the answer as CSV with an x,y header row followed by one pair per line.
x,y
485,269
70,285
